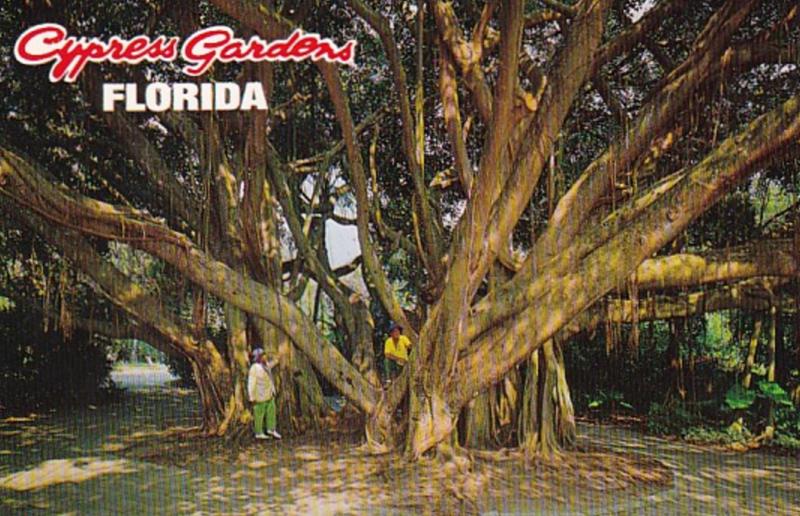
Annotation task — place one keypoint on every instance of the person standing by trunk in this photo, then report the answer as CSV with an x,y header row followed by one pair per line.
x,y
261,391
395,352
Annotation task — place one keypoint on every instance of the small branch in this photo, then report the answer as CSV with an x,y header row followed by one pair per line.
x,y
479,31
372,266
618,111
348,268
636,33
778,215
306,165
569,11
541,17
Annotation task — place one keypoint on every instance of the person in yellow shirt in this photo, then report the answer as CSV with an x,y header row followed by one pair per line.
x,y
395,352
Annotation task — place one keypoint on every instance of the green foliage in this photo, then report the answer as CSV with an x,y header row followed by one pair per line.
x,y
775,393
787,441
707,435
717,340
669,419
787,421
6,304
739,398
42,369
712,359
608,401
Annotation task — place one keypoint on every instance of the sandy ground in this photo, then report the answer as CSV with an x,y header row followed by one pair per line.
x,y
135,457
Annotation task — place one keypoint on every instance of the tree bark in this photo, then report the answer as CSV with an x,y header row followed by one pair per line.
x,y
771,358
547,422
750,362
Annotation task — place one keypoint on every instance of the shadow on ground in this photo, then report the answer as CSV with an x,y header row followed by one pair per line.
x,y
144,454
709,480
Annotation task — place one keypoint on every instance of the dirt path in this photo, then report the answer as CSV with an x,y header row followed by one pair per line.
x,y
707,481
68,462
80,463
141,376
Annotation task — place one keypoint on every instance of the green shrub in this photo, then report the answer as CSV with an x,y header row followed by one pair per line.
x,y
787,421
669,419
736,433
787,441
42,369
739,398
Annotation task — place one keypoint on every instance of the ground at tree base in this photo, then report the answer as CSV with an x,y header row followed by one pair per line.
x,y
331,468
141,454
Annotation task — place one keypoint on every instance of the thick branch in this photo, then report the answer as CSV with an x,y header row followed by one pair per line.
x,y
654,119
161,179
746,295
559,296
448,91
571,69
465,54
761,258
372,266
124,293
413,150
696,303
26,186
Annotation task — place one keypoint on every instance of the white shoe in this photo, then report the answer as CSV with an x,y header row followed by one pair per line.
x,y
274,434
262,436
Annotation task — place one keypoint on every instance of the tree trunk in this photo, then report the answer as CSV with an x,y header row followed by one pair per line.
x,y
237,413
771,356
213,387
431,420
478,421
677,335
491,419
547,420
751,355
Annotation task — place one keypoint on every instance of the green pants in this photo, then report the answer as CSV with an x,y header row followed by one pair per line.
x,y
262,410
390,368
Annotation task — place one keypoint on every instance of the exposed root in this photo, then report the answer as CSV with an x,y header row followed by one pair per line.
x,y
435,423
456,455
379,433
757,442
